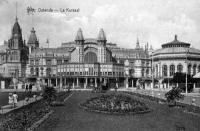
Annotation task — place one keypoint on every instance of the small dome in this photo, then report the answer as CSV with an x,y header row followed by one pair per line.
x,y
79,36
32,39
101,36
175,43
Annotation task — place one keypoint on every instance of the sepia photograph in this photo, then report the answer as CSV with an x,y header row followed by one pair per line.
x,y
99,65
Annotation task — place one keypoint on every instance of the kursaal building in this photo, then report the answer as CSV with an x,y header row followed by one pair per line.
x,y
90,62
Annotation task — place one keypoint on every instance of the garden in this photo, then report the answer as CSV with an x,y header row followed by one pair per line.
x,y
23,118
115,104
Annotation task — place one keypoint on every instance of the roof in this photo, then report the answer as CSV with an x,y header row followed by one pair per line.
x,y
175,43
51,52
129,53
32,38
16,28
101,36
174,50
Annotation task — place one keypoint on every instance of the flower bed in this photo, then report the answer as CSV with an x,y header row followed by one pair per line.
x,y
183,106
115,104
24,117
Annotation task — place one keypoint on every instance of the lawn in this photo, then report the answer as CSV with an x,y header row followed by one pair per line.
x,y
162,118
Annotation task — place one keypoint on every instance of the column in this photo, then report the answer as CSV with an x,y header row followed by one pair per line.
x,y
104,81
126,82
56,82
73,84
85,85
64,81
77,82
132,82
95,82
60,82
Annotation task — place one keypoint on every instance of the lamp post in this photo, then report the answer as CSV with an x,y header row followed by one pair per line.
x,y
186,79
152,71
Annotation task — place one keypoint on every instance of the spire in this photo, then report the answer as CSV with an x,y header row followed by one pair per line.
x,y
79,36
16,19
137,44
101,36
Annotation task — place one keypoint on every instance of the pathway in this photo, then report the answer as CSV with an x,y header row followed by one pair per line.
x,y
8,108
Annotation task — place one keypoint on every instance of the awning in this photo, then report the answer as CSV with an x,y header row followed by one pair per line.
x,y
197,75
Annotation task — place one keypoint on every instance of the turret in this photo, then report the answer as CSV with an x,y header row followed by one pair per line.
x,y
79,37
32,41
101,38
80,45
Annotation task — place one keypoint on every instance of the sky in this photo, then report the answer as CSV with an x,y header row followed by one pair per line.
x,y
152,21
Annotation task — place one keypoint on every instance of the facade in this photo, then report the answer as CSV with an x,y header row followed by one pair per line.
x,y
13,55
175,56
86,63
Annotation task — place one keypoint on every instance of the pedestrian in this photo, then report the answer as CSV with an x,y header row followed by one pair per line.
x,y
10,99
15,97
26,88
30,87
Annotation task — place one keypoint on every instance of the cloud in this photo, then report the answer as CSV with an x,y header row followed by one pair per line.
x,y
155,21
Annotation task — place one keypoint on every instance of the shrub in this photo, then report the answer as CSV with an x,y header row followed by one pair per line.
x,y
173,95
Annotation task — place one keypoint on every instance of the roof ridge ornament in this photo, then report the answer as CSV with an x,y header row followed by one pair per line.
x,y
175,37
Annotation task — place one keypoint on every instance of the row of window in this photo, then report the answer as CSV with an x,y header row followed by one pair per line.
x,y
48,62
90,72
179,69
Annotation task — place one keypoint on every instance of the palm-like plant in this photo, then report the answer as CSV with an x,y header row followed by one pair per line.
x,y
49,94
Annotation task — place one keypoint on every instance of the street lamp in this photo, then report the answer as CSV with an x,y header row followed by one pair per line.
x,y
152,71
186,88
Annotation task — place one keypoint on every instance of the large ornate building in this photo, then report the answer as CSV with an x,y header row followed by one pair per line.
x,y
175,56
88,62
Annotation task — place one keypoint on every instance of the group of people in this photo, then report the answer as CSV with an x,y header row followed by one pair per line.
x,y
12,99
28,87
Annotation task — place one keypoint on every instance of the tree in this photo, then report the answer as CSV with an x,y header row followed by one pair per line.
x,y
49,94
173,95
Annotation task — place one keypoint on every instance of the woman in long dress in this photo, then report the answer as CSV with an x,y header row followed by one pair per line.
x,y
10,99
15,97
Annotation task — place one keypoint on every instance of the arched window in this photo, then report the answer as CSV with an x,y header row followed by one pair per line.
x,y
179,68
142,72
32,71
194,69
131,72
199,68
189,69
90,57
37,71
172,70
48,71
156,70
147,72
164,69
